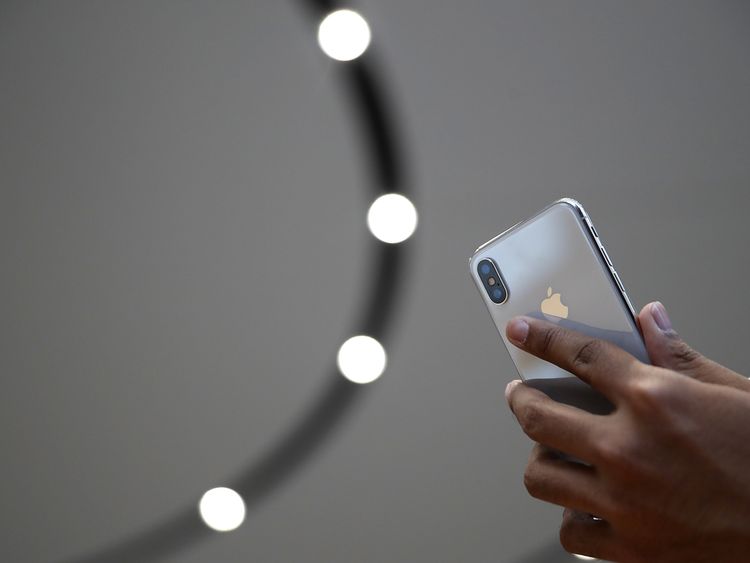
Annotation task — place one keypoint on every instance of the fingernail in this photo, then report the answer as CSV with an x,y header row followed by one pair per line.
x,y
509,388
660,316
517,330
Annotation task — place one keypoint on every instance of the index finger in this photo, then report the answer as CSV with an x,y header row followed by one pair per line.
x,y
599,363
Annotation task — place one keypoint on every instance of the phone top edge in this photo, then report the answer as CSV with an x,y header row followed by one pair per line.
x,y
569,201
493,239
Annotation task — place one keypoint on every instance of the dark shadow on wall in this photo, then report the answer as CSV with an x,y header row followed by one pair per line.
x,y
365,88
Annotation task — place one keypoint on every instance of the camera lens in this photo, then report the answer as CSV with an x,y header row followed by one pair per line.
x,y
493,283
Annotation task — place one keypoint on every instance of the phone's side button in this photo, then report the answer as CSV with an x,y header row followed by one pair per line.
x,y
619,282
606,256
591,227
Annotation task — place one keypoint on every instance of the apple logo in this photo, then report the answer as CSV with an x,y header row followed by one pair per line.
x,y
553,306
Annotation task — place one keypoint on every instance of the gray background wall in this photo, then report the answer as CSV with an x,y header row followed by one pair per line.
x,y
163,163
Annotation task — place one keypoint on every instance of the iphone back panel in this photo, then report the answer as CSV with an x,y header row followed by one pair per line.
x,y
553,266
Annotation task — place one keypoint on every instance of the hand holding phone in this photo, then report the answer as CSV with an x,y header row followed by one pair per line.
x,y
666,472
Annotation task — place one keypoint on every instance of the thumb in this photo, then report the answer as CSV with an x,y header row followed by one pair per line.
x,y
666,349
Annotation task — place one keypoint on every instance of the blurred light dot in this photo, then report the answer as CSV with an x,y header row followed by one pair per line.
x,y
222,509
584,557
361,359
344,35
392,218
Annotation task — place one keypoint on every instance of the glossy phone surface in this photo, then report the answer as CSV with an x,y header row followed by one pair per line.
x,y
554,267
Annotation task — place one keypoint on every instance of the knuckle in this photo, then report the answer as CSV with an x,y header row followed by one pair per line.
x,y
624,460
530,481
549,339
609,453
531,418
535,482
588,353
616,453
684,357
652,394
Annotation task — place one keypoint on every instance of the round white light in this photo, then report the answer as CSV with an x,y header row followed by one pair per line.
x,y
361,359
584,557
392,218
344,35
222,509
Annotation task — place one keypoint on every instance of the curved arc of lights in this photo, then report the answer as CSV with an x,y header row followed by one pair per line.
x,y
339,396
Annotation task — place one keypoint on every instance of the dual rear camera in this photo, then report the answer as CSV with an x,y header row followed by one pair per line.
x,y
493,283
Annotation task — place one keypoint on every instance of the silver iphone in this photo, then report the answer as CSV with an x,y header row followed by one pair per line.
x,y
553,266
